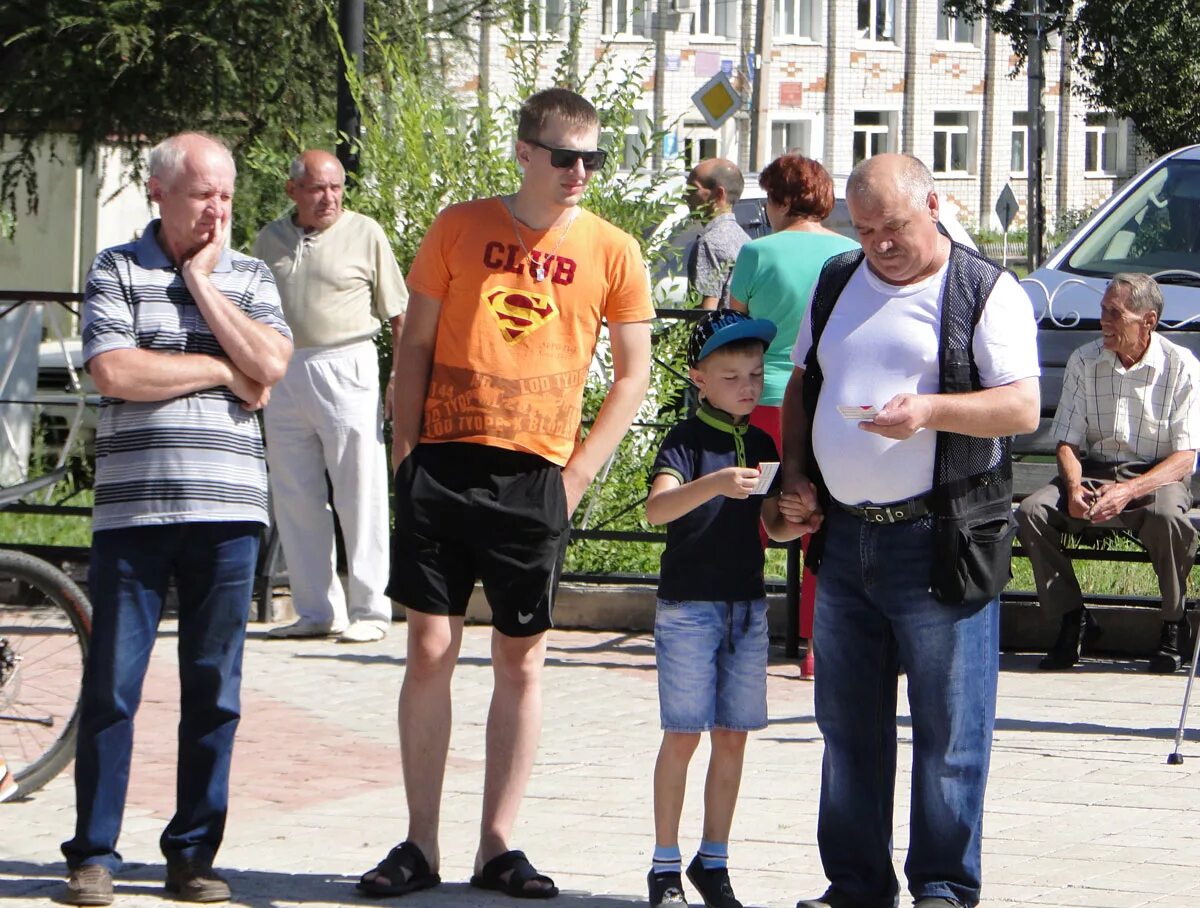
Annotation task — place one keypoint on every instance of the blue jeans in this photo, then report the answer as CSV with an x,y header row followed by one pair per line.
x,y
875,613
213,566
712,665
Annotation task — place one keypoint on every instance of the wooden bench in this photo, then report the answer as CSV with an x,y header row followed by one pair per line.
x,y
1034,462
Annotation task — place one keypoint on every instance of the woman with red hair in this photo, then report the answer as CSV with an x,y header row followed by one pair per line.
x,y
773,279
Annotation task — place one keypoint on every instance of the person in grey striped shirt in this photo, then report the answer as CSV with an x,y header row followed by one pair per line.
x,y
184,339
714,186
1127,427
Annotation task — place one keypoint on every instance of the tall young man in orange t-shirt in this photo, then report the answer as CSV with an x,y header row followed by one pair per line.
x,y
506,299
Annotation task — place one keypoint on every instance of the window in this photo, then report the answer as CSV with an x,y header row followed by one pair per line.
x,y
1020,149
874,133
625,17
699,143
541,17
1018,158
954,29
715,18
445,17
632,147
791,137
796,19
877,20
1155,227
952,135
1104,145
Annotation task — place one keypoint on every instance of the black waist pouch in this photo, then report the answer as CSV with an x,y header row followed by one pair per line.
x,y
973,554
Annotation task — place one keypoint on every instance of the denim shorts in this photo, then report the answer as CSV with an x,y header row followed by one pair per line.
x,y
712,665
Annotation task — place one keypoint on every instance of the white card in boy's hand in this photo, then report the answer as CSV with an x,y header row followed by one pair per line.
x,y
766,474
862,411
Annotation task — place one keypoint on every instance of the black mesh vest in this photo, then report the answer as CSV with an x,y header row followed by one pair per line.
x,y
972,481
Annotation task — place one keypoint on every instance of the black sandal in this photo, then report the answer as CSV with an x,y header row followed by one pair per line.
x,y
522,873
405,869
713,885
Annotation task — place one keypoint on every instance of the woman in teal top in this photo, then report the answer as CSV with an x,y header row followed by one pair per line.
x,y
774,276
773,279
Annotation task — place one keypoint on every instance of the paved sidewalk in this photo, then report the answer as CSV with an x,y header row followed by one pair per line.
x,y
1082,809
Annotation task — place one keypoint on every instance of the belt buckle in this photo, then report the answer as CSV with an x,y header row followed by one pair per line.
x,y
885,514
877,514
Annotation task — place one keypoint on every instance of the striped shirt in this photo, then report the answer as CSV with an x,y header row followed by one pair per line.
x,y
713,256
196,458
1115,414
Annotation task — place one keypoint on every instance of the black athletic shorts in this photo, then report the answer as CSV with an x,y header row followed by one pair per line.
x,y
467,512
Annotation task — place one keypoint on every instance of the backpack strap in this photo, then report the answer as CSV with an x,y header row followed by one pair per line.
x,y
835,274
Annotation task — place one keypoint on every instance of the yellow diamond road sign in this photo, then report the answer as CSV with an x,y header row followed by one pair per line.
x,y
717,100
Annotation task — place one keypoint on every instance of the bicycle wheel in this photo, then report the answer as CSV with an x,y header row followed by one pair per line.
x,y
45,623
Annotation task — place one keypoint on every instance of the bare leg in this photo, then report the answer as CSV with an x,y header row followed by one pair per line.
x,y
513,730
722,783
424,714
670,781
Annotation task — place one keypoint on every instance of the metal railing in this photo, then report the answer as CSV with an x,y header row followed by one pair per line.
x,y
22,318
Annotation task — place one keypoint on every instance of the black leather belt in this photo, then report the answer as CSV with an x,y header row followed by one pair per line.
x,y
895,512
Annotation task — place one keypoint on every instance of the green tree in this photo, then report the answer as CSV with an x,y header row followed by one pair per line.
x,y
134,71
1137,57
423,146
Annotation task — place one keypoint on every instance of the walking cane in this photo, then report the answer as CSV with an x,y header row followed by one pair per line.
x,y
1176,758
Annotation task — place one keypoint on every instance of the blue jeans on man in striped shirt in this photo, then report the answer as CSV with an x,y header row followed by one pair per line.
x,y
213,567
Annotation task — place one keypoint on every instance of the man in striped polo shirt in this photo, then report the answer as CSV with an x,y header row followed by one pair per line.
x,y
184,339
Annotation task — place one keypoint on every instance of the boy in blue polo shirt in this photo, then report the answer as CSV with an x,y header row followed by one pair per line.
x,y
710,628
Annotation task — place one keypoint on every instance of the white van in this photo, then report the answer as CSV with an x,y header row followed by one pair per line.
x,y
1151,225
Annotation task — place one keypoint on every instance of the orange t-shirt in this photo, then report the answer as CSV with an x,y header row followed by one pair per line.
x,y
512,353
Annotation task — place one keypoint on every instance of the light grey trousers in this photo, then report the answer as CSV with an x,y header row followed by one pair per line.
x,y
325,417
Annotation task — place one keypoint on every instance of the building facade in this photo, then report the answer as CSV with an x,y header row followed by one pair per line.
x,y
840,80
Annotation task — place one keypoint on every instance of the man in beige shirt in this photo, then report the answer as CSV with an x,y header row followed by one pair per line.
x,y
338,280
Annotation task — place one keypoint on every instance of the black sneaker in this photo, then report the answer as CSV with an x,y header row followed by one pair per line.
x,y
1166,658
713,885
831,899
665,889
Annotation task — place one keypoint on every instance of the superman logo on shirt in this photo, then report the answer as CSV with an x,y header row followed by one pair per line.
x,y
519,312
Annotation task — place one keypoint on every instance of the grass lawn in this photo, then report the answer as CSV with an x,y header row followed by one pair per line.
x,y
49,529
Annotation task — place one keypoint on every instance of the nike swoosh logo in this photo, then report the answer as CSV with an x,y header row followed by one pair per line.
x,y
523,618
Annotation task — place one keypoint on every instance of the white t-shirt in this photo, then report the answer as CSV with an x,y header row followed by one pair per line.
x,y
882,340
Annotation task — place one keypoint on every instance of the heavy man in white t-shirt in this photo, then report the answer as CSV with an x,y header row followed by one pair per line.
x,y
881,602
338,280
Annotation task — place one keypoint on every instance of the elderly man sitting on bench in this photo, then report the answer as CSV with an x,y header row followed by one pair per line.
x,y
1127,429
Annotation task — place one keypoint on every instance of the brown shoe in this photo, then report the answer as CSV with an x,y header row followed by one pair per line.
x,y
89,884
191,882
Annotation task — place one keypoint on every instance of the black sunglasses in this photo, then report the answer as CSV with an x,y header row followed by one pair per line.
x,y
564,158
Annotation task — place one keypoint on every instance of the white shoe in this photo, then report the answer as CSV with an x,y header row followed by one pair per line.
x,y
365,630
304,628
